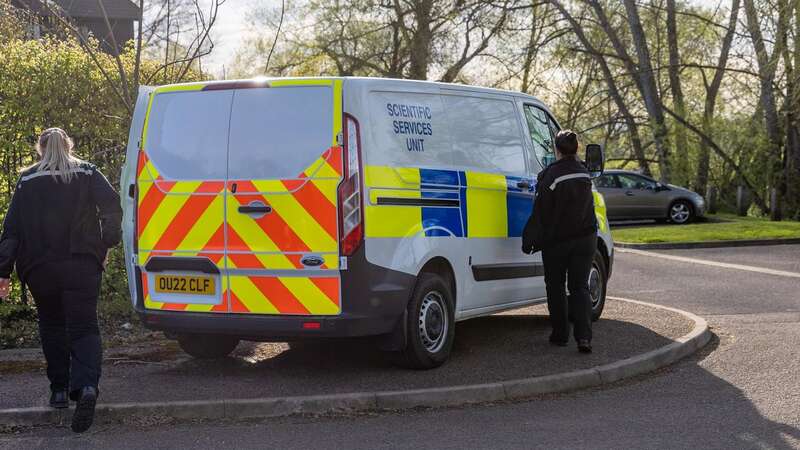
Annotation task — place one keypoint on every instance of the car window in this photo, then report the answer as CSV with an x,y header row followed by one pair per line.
x,y
541,136
627,181
605,181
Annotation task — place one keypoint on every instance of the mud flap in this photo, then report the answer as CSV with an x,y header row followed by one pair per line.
x,y
396,340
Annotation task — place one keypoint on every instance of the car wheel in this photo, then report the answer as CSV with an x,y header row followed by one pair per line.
x,y
207,346
680,212
430,323
597,285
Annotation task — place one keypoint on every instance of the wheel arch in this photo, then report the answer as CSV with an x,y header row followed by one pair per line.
x,y
441,266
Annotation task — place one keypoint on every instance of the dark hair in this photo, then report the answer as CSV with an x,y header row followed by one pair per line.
x,y
567,142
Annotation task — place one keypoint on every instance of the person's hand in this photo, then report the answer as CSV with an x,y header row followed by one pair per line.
x,y
526,249
105,260
5,287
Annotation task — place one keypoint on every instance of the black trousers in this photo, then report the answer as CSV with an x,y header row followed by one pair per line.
x,y
66,294
569,263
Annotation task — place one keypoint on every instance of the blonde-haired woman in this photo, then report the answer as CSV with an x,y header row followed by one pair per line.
x,y
63,218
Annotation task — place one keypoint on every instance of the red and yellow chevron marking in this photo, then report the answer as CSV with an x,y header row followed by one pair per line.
x,y
179,216
303,217
285,295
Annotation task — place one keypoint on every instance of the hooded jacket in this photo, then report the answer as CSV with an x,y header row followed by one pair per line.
x,y
49,220
563,208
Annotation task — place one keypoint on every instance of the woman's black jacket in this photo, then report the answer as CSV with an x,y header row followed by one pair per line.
x,y
49,220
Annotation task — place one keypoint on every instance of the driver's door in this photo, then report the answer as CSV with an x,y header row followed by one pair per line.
x,y
639,195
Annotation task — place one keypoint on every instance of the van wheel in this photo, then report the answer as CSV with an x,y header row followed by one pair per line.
x,y
430,323
597,285
207,346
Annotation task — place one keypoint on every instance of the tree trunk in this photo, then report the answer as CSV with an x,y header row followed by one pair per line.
x,y
681,171
701,182
652,100
766,71
630,122
421,40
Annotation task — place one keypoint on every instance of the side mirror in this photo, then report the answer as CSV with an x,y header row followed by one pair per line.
x,y
595,161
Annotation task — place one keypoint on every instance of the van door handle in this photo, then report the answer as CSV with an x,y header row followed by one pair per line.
x,y
629,193
523,184
255,209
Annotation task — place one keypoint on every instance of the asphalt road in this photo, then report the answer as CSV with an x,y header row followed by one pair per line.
x,y
502,347
742,391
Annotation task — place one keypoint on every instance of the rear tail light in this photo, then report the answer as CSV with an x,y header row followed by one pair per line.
x,y
351,211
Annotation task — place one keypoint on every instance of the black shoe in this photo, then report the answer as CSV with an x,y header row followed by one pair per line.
x,y
84,411
59,400
585,346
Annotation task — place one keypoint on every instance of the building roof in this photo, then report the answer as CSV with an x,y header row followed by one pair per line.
x,y
116,9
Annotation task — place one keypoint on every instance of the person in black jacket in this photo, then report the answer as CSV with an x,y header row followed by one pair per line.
x,y
563,226
63,218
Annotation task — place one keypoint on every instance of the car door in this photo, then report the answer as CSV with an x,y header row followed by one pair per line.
x,y
638,196
613,195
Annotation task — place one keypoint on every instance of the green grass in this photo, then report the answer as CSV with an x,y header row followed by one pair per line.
x,y
717,227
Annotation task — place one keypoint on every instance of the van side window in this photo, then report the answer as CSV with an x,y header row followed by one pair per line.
x,y
278,132
539,127
486,134
187,134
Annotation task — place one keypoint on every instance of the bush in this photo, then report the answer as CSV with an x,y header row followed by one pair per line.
x,y
52,83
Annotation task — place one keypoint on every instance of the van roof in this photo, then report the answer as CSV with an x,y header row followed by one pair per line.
x,y
370,81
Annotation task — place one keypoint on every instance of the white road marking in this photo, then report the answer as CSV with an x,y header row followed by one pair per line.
x,y
780,273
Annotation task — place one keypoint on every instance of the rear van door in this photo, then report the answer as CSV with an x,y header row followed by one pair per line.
x,y
237,198
180,200
284,167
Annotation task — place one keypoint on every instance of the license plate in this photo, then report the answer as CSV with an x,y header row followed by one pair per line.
x,y
179,284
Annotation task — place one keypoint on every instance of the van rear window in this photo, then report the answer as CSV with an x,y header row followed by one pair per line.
x,y
278,132
187,134
267,133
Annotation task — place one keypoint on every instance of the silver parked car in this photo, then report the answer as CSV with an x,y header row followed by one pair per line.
x,y
629,195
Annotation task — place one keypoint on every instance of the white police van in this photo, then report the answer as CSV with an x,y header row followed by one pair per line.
x,y
292,208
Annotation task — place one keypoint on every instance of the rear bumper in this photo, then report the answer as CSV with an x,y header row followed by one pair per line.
x,y
266,328
374,299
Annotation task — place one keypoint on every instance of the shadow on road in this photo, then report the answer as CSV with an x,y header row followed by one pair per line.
x,y
488,349
684,406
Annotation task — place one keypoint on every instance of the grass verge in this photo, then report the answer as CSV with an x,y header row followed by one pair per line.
x,y
717,227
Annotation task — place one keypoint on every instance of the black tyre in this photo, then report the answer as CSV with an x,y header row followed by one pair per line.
x,y
680,212
598,278
430,323
207,346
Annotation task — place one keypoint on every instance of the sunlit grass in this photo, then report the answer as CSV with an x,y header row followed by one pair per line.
x,y
718,227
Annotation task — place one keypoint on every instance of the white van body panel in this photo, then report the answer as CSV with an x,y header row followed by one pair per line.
x,y
363,99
